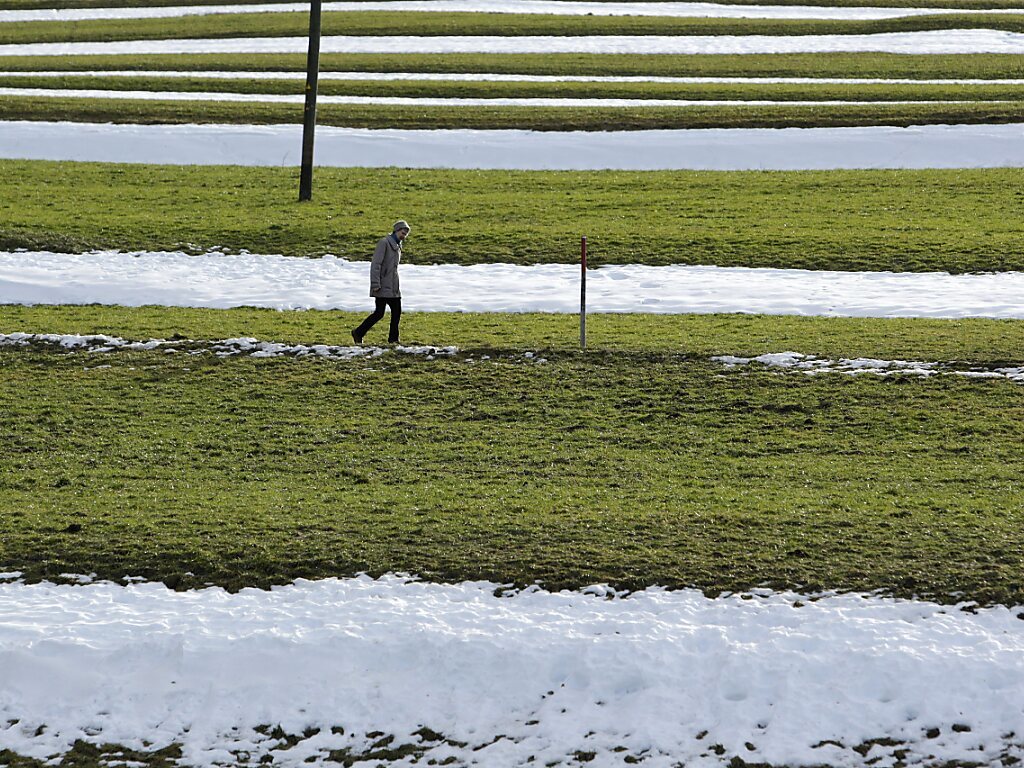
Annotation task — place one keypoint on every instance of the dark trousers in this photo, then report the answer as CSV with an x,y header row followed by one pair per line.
x,y
396,315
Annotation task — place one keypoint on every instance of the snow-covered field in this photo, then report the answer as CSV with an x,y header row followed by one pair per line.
x,y
546,7
933,42
458,672
934,146
216,280
493,680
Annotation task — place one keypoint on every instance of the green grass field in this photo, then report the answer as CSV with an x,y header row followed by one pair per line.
x,y
955,220
100,110
497,90
985,66
484,24
984,342
652,465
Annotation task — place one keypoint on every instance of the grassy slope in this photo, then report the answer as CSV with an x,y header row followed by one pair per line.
x,y
632,468
876,220
487,24
100,110
988,66
493,90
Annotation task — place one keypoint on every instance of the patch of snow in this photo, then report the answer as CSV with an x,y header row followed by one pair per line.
x,y
504,679
810,362
225,348
79,578
9,575
93,342
426,350
279,282
546,7
719,149
505,78
985,374
298,98
952,41
854,366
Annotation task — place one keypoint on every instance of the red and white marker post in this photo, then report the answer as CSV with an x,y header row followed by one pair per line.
x,y
583,294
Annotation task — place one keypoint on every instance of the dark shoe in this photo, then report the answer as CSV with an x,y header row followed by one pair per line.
x,y
357,337
392,341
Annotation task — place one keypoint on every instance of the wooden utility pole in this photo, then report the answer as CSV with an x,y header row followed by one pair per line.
x,y
309,112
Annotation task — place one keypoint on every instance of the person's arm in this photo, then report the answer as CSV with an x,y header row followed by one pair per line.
x,y
375,264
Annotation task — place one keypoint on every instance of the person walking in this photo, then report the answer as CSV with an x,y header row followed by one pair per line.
x,y
384,283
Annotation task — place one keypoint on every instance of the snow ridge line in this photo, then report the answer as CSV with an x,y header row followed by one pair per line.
x,y
713,149
928,42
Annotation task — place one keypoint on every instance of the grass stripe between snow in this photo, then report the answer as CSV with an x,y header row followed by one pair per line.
x,y
476,24
974,65
954,220
530,118
432,89
630,467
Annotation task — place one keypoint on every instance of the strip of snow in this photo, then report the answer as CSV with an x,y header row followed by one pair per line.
x,y
527,677
809,364
945,41
545,7
298,98
251,347
278,282
484,77
716,149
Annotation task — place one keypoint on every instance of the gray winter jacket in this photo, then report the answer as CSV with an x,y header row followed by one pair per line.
x,y
384,269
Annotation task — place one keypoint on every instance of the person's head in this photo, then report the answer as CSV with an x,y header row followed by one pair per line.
x,y
401,229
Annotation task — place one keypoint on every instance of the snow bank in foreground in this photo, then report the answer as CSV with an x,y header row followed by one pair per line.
x,y
933,42
560,8
278,282
716,149
458,672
